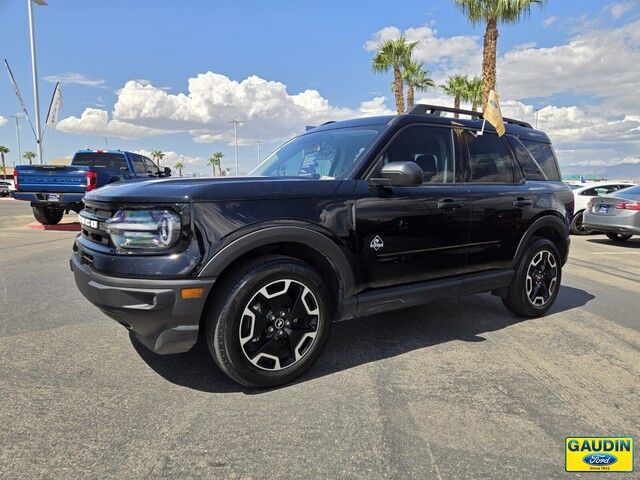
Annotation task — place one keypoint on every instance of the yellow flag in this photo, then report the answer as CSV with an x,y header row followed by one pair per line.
x,y
492,113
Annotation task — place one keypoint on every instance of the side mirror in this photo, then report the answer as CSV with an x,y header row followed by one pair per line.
x,y
399,174
167,172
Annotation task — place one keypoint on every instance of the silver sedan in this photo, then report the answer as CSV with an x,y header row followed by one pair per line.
x,y
618,215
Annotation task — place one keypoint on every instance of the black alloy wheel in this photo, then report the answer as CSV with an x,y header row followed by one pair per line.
x,y
269,321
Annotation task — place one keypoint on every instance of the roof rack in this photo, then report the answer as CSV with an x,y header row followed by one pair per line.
x,y
437,110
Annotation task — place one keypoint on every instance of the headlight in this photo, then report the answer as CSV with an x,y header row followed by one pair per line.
x,y
144,229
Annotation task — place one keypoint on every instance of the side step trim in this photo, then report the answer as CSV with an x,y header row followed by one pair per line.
x,y
394,298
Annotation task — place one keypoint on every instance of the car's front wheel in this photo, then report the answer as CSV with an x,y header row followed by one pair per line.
x,y
619,237
537,280
270,321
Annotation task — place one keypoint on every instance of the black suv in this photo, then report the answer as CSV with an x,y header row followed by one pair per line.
x,y
348,219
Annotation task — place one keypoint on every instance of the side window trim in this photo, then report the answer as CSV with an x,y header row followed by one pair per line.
x,y
375,164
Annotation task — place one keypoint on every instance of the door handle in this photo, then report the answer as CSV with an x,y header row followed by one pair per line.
x,y
450,203
522,202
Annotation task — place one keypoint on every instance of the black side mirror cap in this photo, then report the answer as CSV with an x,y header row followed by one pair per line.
x,y
167,172
399,174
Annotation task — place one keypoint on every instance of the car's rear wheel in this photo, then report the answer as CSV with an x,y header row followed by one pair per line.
x,y
270,321
619,237
537,280
577,226
48,215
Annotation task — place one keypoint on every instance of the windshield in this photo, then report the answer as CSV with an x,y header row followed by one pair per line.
x,y
326,154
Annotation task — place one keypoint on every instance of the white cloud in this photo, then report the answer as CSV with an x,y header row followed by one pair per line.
x,y
267,109
458,54
549,21
75,78
602,63
94,121
598,62
3,120
617,10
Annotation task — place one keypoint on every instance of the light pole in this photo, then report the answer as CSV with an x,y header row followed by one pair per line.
x,y
17,116
236,123
106,142
34,72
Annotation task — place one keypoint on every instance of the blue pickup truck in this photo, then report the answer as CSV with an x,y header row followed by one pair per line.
x,y
55,190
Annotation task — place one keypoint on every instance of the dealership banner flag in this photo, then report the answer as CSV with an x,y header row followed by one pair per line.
x,y
18,94
54,107
492,113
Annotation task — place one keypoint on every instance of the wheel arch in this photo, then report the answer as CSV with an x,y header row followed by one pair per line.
x,y
305,244
550,226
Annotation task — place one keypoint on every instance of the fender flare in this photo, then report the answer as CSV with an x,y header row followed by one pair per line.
x,y
285,234
552,221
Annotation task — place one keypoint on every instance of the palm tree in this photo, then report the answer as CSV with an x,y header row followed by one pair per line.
x,y
393,55
416,79
29,156
473,93
3,150
456,86
214,161
179,166
158,155
490,13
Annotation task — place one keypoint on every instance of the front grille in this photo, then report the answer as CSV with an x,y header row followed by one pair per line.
x,y
99,215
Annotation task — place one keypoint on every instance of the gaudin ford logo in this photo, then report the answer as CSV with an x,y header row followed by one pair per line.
x,y
599,454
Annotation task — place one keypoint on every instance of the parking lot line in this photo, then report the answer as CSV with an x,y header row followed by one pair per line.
x,y
614,253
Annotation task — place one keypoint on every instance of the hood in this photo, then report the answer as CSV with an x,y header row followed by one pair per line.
x,y
175,190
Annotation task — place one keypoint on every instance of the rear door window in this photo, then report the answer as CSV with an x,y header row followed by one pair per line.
x,y
489,158
111,161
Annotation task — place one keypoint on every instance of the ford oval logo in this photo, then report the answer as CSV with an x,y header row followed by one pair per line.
x,y
599,459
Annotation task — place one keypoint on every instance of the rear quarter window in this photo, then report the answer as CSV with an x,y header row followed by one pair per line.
x,y
544,156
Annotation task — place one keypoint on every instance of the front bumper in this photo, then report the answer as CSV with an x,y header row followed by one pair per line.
x,y
153,309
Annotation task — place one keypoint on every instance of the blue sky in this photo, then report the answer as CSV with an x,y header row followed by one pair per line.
x,y
289,47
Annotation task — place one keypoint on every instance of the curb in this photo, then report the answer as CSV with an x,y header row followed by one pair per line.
x,y
61,227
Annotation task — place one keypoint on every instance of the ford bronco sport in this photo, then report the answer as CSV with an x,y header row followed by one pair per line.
x,y
348,219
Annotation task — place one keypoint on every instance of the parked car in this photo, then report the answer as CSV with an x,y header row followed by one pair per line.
x,y
6,187
582,195
346,220
617,215
55,190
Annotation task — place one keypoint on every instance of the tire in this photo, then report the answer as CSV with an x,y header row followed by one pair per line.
x,y
47,215
524,298
577,227
275,295
618,237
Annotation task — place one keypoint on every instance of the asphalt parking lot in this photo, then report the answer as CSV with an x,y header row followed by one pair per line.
x,y
453,390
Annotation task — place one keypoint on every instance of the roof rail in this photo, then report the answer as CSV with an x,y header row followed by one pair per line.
x,y
437,110
328,123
